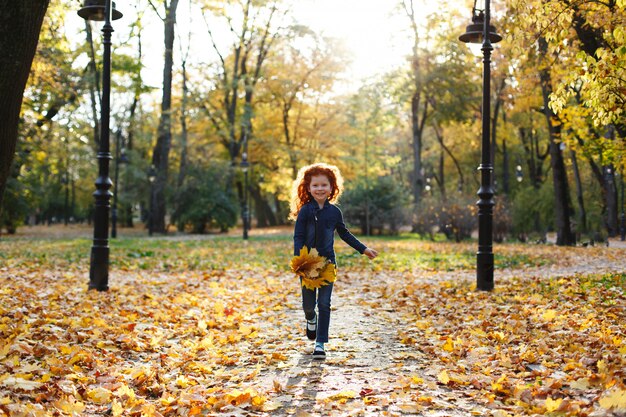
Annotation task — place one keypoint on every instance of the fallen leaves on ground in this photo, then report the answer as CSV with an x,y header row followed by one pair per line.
x,y
535,345
205,330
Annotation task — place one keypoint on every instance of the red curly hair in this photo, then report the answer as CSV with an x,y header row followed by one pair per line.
x,y
300,194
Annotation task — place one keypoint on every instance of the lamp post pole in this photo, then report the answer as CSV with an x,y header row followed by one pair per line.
x,y
99,261
481,30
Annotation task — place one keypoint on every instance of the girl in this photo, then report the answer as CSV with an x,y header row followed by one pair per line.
x,y
314,191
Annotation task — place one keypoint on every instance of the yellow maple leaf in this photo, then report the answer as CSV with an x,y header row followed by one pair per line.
x,y
116,408
344,394
549,315
616,400
553,405
417,380
324,276
443,377
307,263
449,345
99,395
70,405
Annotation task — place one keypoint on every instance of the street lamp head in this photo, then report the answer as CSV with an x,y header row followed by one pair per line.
x,y
152,174
244,162
94,10
518,173
474,31
124,158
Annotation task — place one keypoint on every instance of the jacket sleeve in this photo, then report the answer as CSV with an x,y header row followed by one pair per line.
x,y
299,232
346,236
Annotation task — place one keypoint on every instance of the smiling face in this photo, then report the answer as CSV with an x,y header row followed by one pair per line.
x,y
320,188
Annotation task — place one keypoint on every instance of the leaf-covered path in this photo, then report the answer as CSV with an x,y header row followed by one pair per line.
x,y
368,371
214,327
372,370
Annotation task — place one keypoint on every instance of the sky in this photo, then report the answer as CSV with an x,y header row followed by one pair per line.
x,y
372,31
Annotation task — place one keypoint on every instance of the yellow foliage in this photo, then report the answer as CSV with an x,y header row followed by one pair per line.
x,y
314,270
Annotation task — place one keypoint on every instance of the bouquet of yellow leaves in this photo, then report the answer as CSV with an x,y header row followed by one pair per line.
x,y
315,270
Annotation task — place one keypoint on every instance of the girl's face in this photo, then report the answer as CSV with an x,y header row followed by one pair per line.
x,y
320,188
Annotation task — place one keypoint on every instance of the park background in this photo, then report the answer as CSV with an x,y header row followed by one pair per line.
x,y
200,321
384,90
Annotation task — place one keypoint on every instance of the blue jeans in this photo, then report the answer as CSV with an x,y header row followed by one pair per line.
x,y
321,297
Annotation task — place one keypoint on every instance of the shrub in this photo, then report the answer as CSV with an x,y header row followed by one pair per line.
x,y
454,216
202,202
14,206
385,200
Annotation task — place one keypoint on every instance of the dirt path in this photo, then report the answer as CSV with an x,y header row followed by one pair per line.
x,y
368,370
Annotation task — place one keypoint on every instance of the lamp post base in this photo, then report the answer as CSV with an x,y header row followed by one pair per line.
x,y
99,268
484,271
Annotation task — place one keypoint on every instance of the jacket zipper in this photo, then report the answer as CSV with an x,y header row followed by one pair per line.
x,y
315,234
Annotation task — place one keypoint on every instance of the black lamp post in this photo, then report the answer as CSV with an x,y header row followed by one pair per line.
x,y
481,31
245,216
102,10
119,159
151,177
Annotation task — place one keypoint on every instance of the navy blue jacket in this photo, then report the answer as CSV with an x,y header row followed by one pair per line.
x,y
316,227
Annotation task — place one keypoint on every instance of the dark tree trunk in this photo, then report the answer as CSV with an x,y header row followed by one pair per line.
x,y
610,191
182,171
263,212
160,155
419,114
506,178
582,213
94,86
20,24
494,128
559,175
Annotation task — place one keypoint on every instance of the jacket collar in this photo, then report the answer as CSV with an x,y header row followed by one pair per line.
x,y
316,206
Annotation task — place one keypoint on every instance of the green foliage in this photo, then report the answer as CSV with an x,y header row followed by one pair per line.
x,y
202,201
455,216
384,199
532,210
14,208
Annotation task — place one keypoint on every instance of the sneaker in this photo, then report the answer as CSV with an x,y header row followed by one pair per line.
x,y
318,353
311,329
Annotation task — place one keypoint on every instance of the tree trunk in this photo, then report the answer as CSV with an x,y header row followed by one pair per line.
x,y
263,212
559,175
20,24
506,184
182,171
160,155
419,108
494,128
582,215
610,194
94,86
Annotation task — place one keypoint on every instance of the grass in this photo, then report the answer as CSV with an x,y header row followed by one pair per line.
x,y
271,252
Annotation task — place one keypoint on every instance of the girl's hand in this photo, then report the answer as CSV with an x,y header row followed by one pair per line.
x,y
370,253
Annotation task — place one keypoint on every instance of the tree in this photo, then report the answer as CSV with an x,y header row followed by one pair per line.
x,y
420,109
20,24
160,154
